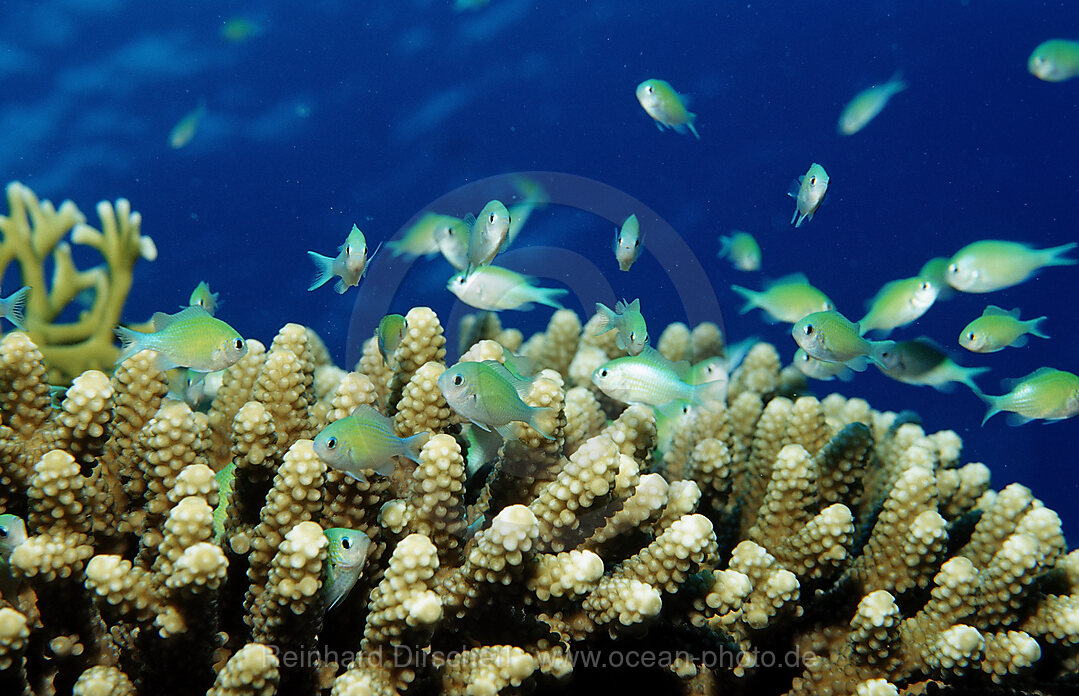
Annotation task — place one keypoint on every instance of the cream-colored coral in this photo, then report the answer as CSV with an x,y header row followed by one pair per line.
x,y
486,671
103,681
422,407
437,487
251,671
13,635
403,600
288,612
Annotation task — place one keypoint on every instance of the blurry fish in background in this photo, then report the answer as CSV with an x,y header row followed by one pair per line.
x,y
808,193
346,554
823,370
365,441
741,249
190,338
13,306
1055,60
452,241
626,318
898,303
666,107
495,288
490,395
350,264
239,28
994,264
1045,394
831,337
391,329
530,191
867,104
182,133
419,240
786,300
922,362
487,234
627,243
202,297
997,329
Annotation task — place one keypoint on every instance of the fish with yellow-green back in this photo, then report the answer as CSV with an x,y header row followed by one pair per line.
x,y
653,380
419,239
741,249
1044,394
350,265
487,234
365,441
898,303
225,480
491,396
820,369
831,337
190,338
627,320
452,241
202,297
787,299
391,329
995,264
997,329
495,288
808,193
666,107
627,243
867,104
922,362
182,133
13,306
1055,60
346,554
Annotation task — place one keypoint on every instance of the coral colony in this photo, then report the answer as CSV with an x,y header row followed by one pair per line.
x,y
775,543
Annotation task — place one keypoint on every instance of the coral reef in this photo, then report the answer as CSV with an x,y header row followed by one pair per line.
x,y
32,235
775,544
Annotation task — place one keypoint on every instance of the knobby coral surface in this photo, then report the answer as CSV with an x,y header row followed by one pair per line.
x,y
774,544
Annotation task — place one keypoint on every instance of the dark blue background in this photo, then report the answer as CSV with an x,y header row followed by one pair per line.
x,y
342,112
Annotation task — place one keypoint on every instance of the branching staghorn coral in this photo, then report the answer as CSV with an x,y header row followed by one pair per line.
x,y
32,234
777,544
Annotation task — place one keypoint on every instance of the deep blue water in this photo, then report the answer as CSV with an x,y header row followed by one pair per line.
x,y
337,112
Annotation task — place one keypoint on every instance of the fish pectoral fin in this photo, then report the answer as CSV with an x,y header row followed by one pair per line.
x,y
357,475
857,364
1016,419
1020,341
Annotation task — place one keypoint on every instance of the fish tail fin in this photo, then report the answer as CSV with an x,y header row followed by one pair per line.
x,y
993,408
751,298
724,246
1034,327
323,270
130,342
413,445
1055,255
689,124
537,413
897,81
968,379
548,296
16,306
605,322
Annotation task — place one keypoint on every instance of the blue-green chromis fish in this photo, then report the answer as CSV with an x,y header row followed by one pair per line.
x,y
237,29
666,107
365,440
742,250
346,554
452,241
419,239
786,300
627,320
202,297
487,234
997,329
350,264
190,338
922,362
831,337
225,478
935,270
1055,60
867,104
808,193
627,243
391,329
820,369
898,303
12,533
652,380
1045,394
13,306
491,396
182,133
495,288
994,264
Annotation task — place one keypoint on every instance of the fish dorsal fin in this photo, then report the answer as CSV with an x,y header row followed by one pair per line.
x,y
792,279
681,368
468,222
161,320
366,412
623,307
994,311
520,385
795,187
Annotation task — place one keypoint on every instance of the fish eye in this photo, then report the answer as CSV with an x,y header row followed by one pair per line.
x,y
603,373
812,181
346,543
348,250
238,344
492,218
808,330
637,242
971,336
633,335
458,380
331,443
3,532
953,268
650,89
926,285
